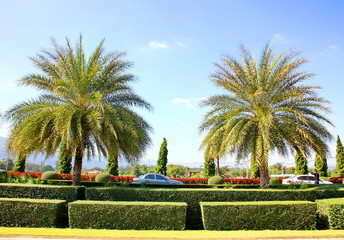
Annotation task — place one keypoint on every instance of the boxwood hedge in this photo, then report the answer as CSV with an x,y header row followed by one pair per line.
x,y
21,212
193,196
331,213
127,215
68,193
272,215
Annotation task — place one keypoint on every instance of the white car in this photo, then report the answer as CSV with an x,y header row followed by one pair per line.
x,y
155,178
307,179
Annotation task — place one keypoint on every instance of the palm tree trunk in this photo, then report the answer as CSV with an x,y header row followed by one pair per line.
x,y
217,166
77,167
264,175
263,167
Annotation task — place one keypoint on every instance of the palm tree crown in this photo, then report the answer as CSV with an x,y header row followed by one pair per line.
x,y
85,107
267,109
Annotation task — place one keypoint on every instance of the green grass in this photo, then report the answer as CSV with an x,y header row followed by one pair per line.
x,y
189,234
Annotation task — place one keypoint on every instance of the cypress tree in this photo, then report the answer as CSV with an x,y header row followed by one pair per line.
x,y
112,165
301,163
340,157
19,165
321,165
162,160
209,168
65,160
254,168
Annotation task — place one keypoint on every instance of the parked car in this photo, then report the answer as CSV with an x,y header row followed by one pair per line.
x,y
299,179
155,178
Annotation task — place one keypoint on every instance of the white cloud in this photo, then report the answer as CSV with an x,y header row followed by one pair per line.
x,y
10,85
187,102
330,49
154,45
179,100
279,38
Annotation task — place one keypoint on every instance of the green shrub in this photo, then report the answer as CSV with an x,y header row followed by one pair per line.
x,y
127,215
3,176
274,181
49,175
331,213
193,196
273,215
68,193
103,178
21,212
215,180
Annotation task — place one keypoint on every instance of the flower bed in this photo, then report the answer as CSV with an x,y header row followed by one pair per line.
x,y
337,180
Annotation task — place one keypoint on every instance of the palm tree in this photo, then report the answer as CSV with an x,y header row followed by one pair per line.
x,y
267,109
85,107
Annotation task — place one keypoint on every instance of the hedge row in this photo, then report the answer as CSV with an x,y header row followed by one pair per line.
x,y
16,212
68,193
331,213
194,196
127,215
273,215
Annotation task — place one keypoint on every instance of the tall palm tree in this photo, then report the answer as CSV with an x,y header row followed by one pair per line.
x,y
85,107
267,109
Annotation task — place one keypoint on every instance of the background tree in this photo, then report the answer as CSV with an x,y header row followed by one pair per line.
x,y
300,164
65,160
7,164
47,168
86,106
277,168
177,171
20,163
320,164
209,168
266,109
340,157
162,160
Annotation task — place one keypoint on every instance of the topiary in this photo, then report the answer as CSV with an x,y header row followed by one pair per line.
x,y
215,180
103,178
275,181
49,175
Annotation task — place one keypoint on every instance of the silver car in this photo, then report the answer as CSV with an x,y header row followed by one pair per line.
x,y
155,178
307,179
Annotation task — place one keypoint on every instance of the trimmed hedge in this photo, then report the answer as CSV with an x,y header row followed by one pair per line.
x,y
127,215
331,213
193,196
68,193
21,212
273,215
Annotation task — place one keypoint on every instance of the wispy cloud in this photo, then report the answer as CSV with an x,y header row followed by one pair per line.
x,y
187,102
154,45
330,49
10,85
279,38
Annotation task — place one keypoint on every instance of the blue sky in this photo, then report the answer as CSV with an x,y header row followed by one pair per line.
x,y
173,45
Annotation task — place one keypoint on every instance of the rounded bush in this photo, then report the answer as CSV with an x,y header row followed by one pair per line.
x,y
3,172
103,178
215,180
275,181
49,175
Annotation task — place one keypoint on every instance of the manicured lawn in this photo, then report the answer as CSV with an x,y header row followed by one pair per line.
x,y
188,234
